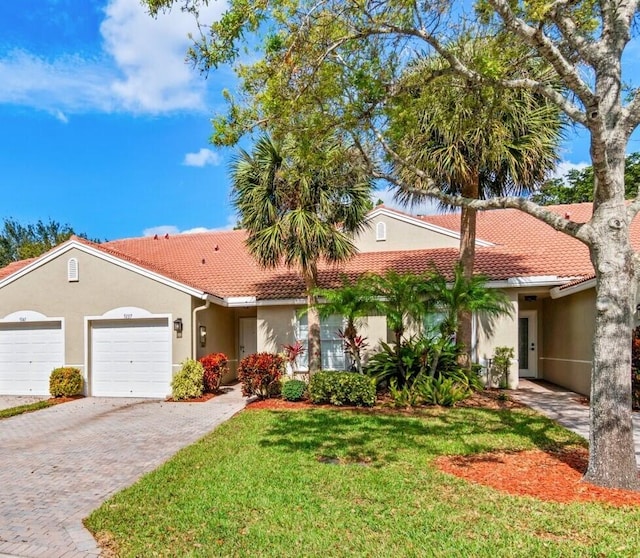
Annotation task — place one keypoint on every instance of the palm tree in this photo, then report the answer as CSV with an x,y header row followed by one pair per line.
x,y
354,301
478,141
301,204
460,297
402,297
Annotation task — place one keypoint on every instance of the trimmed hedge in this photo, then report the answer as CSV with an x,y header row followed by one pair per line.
x,y
342,388
65,382
260,374
188,382
294,390
215,366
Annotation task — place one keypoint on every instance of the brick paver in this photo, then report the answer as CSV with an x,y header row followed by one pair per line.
x,y
60,463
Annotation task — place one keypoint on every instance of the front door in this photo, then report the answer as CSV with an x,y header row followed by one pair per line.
x,y
248,337
528,344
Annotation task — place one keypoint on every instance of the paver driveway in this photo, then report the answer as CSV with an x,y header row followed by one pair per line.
x,y
60,463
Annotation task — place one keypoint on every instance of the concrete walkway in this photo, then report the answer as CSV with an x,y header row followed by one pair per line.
x,y
565,407
59,464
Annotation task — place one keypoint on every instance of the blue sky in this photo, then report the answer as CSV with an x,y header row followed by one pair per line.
x,y
106,128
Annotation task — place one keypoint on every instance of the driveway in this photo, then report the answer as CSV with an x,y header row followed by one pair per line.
x,y
60,463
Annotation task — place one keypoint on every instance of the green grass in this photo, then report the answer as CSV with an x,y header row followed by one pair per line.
x,y
13,411
341,484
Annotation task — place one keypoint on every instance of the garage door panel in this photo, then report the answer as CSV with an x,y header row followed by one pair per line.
x,y
131,358
28,353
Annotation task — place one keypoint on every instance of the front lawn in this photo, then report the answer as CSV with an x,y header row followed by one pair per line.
x,y
327,483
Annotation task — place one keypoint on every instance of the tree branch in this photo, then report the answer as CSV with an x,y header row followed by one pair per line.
x,y
631,115
549,51
580,231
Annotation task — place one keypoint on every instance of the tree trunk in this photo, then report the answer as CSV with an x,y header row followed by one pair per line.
x,y
612,461
313,317
467,261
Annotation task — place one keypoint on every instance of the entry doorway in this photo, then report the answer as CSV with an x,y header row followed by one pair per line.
x,y
528,344
248,337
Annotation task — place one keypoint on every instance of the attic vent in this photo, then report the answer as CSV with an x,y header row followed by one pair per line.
x,y
381,231
73,272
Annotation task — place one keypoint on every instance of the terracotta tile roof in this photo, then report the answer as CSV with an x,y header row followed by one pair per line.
x,y
218,263
13,267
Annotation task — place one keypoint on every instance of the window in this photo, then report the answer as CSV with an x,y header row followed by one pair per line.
x,y
333,355
72,270
431,323
381,231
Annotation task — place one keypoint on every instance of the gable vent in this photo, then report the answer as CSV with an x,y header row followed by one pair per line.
x,y
381,231
73,273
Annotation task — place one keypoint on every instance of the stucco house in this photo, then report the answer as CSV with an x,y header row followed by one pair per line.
x,y
128,312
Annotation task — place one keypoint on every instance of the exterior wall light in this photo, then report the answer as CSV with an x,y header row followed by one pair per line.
x,y
202,335
177,327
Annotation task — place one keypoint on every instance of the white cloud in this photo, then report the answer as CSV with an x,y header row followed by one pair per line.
x,y
563,168
427,207
141,68
202,158
161,230
172,230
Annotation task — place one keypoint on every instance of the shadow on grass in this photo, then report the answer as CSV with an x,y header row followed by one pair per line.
x,y
339,436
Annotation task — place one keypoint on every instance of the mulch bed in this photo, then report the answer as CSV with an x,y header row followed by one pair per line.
x,y
550,476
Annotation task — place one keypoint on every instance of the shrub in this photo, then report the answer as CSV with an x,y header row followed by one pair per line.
x,y
188,382
260,374
411,360
441,391
65,382
342,388
294,390
501,362
215,366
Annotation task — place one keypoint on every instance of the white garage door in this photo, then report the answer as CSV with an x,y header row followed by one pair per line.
x,y
28,353
131,358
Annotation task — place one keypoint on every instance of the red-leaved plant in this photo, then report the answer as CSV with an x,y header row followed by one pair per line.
x,y
260,374
215,365
292,352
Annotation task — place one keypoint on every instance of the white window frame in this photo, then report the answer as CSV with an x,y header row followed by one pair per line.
x,y
335,359
381,231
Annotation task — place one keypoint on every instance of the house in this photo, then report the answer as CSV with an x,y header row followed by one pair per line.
x,y
128,312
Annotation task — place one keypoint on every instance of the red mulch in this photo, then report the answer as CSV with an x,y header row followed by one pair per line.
x,y
56,400
204,397
550,476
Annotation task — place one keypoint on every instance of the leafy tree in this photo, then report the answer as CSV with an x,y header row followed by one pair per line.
x,y
335,66
20,242
298,211
478,141
580,183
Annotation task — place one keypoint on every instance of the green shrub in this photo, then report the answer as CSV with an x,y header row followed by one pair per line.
x,y
405,396
188,382
342,388
411,360
215,366
500,365
441,391
294,390
260,374
65,382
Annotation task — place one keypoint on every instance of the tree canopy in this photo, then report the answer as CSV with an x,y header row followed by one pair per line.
x,y
20,242
578,186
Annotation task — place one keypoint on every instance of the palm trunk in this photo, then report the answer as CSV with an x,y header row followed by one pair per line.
x,y
612,461
314,345
467,261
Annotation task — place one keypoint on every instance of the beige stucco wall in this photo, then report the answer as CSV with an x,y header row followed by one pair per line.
x,y
277,326
103,286
567,337
402,236
500,332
